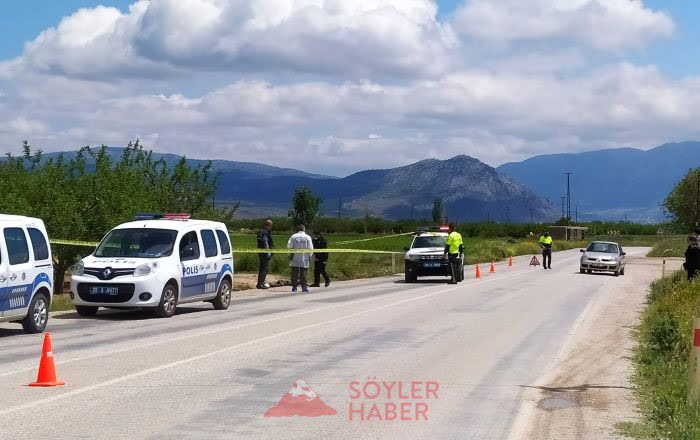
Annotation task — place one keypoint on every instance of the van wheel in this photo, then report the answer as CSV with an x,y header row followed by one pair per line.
x,y
223,298
86,310
622,271
616,273
168,302
37,314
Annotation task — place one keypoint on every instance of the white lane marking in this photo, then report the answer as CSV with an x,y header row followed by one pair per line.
x,y
264,321
159,368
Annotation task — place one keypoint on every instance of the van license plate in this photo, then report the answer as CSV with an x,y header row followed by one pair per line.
x,y
104,290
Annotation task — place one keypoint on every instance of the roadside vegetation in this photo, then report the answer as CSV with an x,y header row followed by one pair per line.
x,y
661,362
670,247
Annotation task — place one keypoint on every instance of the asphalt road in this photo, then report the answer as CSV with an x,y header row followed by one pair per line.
x,y
210,374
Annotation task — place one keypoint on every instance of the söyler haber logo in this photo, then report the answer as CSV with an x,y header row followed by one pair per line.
x,y
302,401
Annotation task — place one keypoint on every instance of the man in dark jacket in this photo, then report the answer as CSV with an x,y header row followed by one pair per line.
x,y
320,260
264,242
692,257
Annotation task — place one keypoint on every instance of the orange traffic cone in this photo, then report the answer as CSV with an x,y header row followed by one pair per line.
x,y
510,261
478,271
493,268
47,370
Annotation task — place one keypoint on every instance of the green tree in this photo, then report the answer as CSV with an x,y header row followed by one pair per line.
x,y
437,210
82,195
683,203
305,207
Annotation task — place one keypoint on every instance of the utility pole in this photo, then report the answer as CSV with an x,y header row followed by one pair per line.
x,y
531,222
576,214
411,210
568,198
507,214
697,199
563,212
339,207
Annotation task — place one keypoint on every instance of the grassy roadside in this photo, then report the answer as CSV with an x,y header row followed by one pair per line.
x,y
661,362
670,247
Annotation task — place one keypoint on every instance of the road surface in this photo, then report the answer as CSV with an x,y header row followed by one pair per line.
x,y
214,374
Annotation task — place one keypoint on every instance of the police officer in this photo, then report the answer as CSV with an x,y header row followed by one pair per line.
x,y
320,260
546,245
454,248
264,242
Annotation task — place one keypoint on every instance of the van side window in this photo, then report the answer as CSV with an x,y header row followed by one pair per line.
x,y
209,242
189,247
39,245
17,248
223,242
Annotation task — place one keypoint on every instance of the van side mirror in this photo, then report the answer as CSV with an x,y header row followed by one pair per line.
x,y
623,253
583,250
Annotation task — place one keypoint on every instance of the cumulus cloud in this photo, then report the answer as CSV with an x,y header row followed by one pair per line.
x,y
600,24
341,81
160,37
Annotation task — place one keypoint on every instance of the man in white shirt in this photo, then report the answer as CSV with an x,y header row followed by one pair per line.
x,y
299,262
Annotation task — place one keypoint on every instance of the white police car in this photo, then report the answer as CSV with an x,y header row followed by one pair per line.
x,y
158,262
26,272
426,255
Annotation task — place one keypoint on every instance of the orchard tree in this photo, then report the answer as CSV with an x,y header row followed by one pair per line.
x,y
305,207
683,203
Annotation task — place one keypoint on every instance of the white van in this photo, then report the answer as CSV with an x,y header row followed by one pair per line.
x,y
26,272
157,262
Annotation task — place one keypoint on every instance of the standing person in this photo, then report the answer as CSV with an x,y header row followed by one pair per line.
x,y
692,257
546,245
320,260
264,242
454,247
299,262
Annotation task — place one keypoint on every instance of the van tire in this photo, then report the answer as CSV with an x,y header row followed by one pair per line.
x,y
223,297
86,310
37,314
168,302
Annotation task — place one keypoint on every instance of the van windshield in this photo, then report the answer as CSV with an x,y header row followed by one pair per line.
x,y
137,243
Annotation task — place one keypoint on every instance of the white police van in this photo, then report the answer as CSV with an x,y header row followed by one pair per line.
x,y
157,262
26,272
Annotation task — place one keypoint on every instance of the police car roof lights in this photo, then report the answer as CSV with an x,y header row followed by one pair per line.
x,y
165,216
424,229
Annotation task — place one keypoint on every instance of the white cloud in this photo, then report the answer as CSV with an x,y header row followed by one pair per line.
x,y
157,37
601,24
334,86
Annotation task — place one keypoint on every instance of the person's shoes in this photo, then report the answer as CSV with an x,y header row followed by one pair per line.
x,y
549,267
305,290
314,285
328,283
294,289
545,268
261,286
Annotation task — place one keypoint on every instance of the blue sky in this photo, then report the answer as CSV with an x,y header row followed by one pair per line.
x,y
275,81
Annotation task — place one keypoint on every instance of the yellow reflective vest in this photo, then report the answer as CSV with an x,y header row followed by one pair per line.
x,y
546,241
454,241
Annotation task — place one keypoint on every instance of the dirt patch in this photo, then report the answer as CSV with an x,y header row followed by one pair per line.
x,y
247,281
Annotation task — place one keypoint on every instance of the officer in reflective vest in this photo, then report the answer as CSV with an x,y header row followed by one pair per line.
x,y
454,248
546,245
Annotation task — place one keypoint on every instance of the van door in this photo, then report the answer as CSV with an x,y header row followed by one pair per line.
x,y
211,261
192,263
20,269
4,273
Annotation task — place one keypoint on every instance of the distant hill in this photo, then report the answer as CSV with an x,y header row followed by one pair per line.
x,y
609,184
471,191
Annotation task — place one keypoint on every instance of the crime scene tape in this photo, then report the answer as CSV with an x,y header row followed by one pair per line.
x,y
372,238
251,251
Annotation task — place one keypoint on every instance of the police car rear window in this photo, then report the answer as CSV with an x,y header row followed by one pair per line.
x,y
223,242
39,245
209,242
17,248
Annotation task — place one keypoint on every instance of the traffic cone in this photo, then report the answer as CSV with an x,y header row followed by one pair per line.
x,y
478,271
493,268
510,261
47,370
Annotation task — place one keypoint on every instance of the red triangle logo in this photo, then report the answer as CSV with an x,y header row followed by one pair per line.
x,y
301,401
534,261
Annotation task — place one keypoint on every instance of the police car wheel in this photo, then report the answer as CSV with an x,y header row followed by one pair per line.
x,y
168,302
223,298
37,315
86,310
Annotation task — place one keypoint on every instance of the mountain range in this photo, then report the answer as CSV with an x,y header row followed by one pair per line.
x,y
610,184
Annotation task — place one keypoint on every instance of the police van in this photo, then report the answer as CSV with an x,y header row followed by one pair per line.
x,y
26,272
156,262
